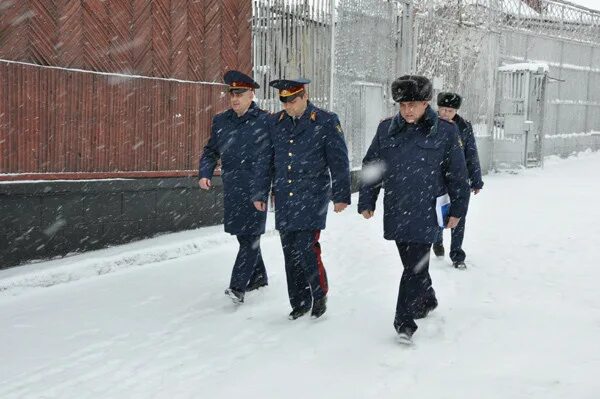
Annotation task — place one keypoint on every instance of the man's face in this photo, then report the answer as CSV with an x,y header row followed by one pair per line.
x,y
412,111
297,106
447,113
240,102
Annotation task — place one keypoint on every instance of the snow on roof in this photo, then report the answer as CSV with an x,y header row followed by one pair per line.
x,y
525,66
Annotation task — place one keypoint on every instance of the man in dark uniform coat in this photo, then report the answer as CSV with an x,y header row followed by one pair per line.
x,y
415,157
308,154
235,137
448,105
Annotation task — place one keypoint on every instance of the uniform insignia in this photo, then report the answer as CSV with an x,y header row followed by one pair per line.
x,y
285,92
281,116
339,128
313,116
460,143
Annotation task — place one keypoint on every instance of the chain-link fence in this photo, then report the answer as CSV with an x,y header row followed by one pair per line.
x,y
372,45
353,49
292,38
461,44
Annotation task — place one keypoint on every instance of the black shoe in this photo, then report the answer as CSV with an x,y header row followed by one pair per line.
x,y
236,296
438,250
296,313
430,306
319,307
459,265
256,285
405,334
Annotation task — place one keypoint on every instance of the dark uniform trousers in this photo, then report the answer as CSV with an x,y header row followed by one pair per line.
x,y
416,290
249,268
457,254
306,275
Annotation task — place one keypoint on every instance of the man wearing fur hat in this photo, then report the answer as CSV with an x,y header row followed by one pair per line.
x,y
448,105
416,157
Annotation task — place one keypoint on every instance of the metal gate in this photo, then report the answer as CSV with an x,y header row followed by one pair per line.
x,y
292,38
351,50
519,116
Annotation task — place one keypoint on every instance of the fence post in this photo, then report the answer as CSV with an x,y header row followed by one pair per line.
x,y
332,63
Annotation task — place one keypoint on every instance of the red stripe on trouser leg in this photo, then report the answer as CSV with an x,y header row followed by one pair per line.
x,y
322,273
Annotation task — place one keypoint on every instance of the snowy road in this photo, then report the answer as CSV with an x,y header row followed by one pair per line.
x,y
522,322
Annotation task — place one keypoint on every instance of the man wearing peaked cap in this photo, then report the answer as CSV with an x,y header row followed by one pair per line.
x,y
289,89
239,82
235,137
308,154
416,158
448,105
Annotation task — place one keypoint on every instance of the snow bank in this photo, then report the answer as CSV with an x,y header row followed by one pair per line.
x,y
20,279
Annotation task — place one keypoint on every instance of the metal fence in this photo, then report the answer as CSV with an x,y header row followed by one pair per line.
x,y
353,49
462,43
351,52
292,38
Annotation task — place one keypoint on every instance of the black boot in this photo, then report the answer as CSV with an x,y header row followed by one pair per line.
x,y
236,296
430,306
319,307
459,265
405,332
438,250
405,336
254,285
299,312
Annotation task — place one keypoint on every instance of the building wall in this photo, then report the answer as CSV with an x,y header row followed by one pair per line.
x,y
53,218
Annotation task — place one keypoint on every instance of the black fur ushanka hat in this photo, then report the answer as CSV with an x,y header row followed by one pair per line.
x,y
412,88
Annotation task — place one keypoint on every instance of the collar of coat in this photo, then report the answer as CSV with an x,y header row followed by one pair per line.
x,y
460,122
310,112
428,120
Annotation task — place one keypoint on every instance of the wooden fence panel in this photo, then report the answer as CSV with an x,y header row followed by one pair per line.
x,y
65,123
55,121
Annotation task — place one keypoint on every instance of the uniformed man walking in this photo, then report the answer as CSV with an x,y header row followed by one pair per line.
x,y
415,157
307,151
448,105
235,138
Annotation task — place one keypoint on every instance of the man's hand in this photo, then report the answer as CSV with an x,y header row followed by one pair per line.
x,y
476,191
452,222
205,183
367,214
260,206
339,207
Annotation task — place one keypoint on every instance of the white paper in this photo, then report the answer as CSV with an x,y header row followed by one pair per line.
x,y
442,207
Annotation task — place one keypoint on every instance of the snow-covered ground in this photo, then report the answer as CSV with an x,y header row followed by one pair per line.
x,y
522,322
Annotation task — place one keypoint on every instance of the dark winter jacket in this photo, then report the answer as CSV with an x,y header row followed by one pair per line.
x,y
414,163
470,148
311,167
235,141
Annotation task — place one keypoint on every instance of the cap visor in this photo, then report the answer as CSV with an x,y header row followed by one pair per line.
x,y
290,98
238,90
